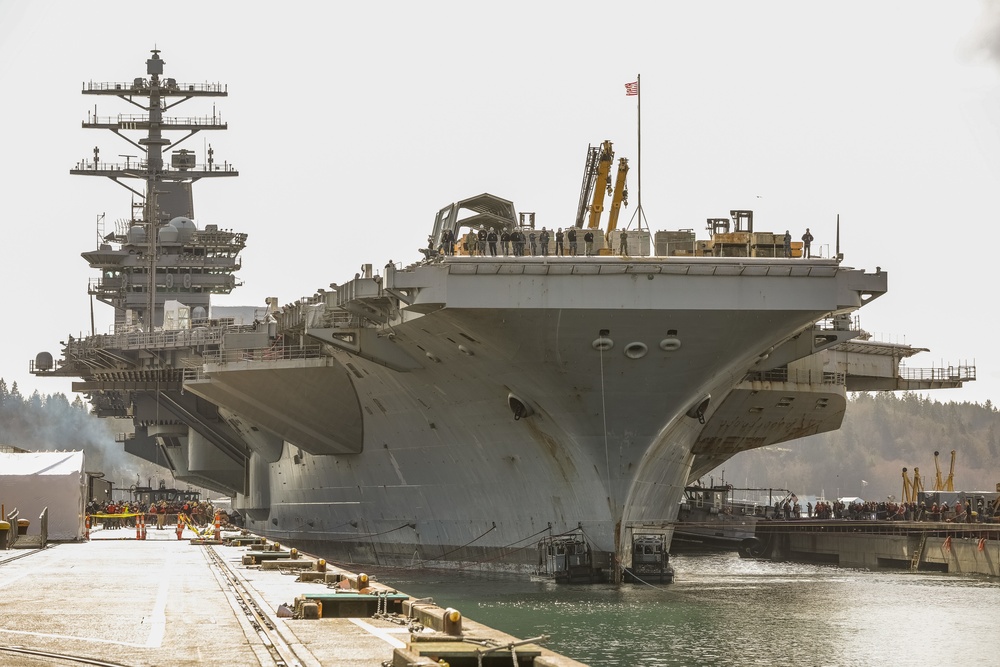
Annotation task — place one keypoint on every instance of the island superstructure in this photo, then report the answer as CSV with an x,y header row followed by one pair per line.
x,y
458,409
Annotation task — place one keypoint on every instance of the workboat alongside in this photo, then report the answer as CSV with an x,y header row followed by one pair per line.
x,y
458,410
720,515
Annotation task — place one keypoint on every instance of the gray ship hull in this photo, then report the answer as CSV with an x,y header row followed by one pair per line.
x,y
439,468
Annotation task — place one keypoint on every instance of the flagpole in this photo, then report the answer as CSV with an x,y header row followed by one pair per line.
x,y
638,127
638,136
638,107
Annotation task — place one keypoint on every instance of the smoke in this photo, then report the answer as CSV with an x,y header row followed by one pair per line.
x,y
984,40
51,423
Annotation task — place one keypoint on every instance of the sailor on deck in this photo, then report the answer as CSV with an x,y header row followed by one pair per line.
x,y
807,239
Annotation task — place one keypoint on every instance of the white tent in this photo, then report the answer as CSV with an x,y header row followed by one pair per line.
x,y
32,481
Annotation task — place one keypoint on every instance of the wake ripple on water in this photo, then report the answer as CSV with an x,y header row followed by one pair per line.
x,y
724,610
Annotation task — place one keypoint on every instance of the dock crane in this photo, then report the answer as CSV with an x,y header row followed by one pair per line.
x,y
908,495
938,483
949,484
918,484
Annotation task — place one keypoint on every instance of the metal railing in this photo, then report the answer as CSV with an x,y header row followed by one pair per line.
x,y
166,122
126,86
797,376
8,539
942,374
138,168
194,370
139,340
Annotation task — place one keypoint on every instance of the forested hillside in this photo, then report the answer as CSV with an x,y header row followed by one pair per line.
x,y
882,433
51,422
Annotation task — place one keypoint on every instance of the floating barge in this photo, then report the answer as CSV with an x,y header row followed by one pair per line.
x,y
964,548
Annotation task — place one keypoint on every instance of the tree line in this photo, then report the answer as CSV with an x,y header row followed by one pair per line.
x,y
882,433
52,423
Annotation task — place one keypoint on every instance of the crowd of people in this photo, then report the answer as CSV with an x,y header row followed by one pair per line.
x,y
967,512
516,242
162,513
527,242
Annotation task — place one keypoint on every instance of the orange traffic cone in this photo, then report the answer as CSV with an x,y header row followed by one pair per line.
x,y
138,526
180,527
86,528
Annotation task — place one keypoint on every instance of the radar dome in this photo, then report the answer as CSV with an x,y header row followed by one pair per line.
x,y
43,361
136,235
185,227
168,234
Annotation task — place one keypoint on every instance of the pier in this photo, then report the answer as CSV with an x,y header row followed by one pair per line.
x,y
184,599
967,548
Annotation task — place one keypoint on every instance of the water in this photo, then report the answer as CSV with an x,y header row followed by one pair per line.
x,y
723,610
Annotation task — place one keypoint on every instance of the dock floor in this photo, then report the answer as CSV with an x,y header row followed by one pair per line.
x,y
162,601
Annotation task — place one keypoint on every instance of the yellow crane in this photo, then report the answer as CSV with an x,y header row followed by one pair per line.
x,y
949,485
620,195
938,484
603,177
918,484
907,488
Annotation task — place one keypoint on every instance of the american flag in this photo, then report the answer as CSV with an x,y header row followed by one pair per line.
x,y
632,88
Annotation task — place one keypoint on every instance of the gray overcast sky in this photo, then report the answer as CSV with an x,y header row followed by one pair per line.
x,y
353,123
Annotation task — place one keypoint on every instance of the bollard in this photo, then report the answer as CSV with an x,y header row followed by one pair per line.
x,y
218,527
321,565
86,529
294,553
180,528
138,526
142,522
452,622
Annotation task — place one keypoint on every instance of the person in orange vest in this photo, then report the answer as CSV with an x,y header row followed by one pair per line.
x,y
161,515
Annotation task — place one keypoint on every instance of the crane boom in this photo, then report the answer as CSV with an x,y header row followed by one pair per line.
x,y
603,176
907,488
918,484
950,484
587,187
620,195
938,484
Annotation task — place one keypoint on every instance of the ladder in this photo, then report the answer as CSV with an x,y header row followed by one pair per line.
x,y
919,553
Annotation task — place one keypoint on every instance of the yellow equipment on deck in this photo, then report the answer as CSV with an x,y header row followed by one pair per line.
x,y
620,195
603,177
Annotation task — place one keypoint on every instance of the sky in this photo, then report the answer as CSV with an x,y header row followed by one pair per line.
x,y
352,124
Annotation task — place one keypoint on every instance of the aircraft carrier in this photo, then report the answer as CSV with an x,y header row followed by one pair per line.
x,y
508,412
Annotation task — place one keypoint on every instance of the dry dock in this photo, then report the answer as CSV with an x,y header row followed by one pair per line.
x,y
966,548
161,601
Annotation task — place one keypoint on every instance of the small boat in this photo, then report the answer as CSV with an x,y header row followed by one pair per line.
x,y
723,516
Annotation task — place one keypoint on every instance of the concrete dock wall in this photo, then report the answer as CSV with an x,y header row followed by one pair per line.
x,y
942,547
